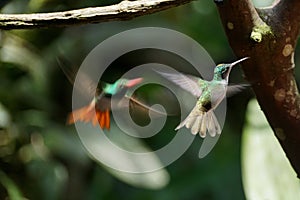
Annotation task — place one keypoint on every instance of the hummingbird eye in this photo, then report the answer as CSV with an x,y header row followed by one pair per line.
x,y
224,72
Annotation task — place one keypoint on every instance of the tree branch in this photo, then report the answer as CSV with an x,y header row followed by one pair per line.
x,y
271,67
125,10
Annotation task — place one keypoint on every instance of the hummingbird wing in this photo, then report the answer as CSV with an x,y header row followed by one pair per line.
x,y
189,83
65,66
85,86
234,89
138,105
97,111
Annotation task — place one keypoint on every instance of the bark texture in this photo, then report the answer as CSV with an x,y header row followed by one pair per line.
x,y
269,36
125,10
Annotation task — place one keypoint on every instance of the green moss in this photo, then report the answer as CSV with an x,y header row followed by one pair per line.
x,y
259,31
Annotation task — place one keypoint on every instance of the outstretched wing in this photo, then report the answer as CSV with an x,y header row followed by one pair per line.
x,y
85,86
189,83
234,89
139,106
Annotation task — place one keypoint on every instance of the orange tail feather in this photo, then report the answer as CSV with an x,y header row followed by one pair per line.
x,y
104,119
101,119
88,114
82,114
107,122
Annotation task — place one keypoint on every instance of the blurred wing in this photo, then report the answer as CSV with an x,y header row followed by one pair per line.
x,y
65,66
86,86
234,89
140,106
105,103
189,83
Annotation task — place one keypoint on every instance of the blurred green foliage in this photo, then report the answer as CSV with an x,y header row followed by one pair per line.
x,y
263,160
42,158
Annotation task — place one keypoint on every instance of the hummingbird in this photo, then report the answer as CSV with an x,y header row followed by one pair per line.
x,y
209,95
98,110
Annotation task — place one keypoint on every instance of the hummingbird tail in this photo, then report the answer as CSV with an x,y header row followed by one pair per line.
x,y
213,126
201,122
88,114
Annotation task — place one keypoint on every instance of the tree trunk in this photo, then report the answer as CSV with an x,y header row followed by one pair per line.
x,y
269,36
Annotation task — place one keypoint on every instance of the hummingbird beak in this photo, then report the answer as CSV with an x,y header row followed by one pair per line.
x,y
238,61
133,82
229,66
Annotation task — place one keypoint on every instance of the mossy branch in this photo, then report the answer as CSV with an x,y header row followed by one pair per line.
x,y
269,36
259,31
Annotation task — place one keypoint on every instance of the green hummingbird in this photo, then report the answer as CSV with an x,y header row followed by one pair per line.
x,y
98,110
209,95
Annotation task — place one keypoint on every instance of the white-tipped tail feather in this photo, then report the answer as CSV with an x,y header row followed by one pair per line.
x,y
201,122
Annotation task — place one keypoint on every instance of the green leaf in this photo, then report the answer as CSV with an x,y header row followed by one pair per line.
x,y
266,172
4,117
12,189
23,54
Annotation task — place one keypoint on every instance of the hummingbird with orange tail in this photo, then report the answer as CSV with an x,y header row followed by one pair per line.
x,y
209,95
98,110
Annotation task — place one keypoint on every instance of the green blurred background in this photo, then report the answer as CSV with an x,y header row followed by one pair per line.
x,y
42,158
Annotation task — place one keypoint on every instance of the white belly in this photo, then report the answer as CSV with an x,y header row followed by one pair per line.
x,y
218,93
